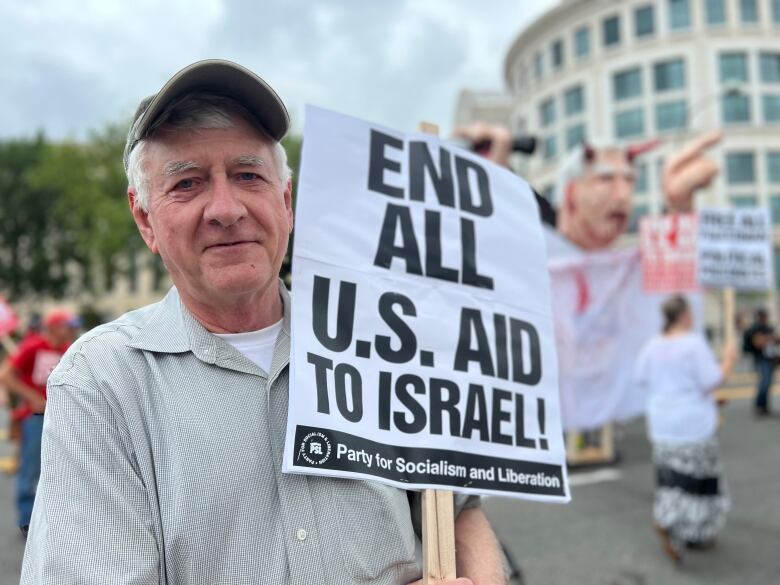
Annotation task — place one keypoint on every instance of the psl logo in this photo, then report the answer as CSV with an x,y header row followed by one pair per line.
x,y
315,448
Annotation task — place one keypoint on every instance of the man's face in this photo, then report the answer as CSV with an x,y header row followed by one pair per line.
x,y
600,202
218,215
61,333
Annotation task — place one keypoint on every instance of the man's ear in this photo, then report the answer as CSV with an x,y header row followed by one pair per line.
x,y
288,204
141,217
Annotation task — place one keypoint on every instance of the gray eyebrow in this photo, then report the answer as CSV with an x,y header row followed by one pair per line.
x,y
248,160
179,166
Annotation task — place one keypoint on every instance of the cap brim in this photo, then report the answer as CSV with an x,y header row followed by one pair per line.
x,y
225,78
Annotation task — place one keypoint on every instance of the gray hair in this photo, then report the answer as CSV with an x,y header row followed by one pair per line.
x,y
575,164
199,111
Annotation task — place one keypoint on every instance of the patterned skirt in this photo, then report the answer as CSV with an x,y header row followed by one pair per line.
x,y
691,499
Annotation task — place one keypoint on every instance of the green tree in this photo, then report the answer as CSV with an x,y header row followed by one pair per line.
x,y
26,222
292,144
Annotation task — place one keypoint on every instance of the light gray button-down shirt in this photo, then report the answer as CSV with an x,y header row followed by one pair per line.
x,y
161,464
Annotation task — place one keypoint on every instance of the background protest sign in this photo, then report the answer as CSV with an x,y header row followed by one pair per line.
x,y
735,248
668,250
423,351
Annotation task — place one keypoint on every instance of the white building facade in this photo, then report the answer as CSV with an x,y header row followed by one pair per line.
x,y
632,70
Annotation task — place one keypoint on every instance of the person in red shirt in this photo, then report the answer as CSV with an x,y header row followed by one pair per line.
x,y
25,374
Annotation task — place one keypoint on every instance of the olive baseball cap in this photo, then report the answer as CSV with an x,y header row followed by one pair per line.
x,y
214,76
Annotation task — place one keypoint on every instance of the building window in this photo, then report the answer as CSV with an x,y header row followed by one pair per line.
x,y
644,21
743,200
550,147
575,135
582,42
740,168
715,12
611,28
671,115
630,123
770,67
557,53
774,206
669,75
547,112
679,14
733,67
637,214
640,185
776,11
573,101
771,105
748,11
539,66
627,84
773,166
736,108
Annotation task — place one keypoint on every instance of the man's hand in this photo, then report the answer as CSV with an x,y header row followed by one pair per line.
x,y
37,403
9,377
498,138
688,170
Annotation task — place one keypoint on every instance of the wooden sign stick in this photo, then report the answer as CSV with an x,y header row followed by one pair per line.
x,y
729,325
438,532
438,510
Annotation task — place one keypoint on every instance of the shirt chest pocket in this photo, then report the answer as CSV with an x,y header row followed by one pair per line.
x,y
377,538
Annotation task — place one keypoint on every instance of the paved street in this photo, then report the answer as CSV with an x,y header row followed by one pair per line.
x,y
604,536
11,543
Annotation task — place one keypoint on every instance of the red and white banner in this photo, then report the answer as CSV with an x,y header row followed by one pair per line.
x,y
668,251
602,318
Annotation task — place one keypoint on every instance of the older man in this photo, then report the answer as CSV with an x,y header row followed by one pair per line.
x,y
163,440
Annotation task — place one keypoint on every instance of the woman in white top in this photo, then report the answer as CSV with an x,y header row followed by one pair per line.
x,y
679,374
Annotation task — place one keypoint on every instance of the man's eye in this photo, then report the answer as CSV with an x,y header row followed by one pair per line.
x,y
248,176
185,184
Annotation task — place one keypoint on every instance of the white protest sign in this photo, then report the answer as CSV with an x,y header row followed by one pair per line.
x,y
735,248
423,353
668,250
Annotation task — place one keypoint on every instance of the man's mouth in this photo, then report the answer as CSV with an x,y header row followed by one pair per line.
x,y
619,217
231,245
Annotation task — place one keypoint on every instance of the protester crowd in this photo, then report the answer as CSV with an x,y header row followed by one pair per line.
x,y
121,465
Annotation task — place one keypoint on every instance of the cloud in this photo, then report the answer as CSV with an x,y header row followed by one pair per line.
x,y
73,65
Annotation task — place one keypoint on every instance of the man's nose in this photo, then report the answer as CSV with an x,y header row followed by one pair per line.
x,y
224,207
624,188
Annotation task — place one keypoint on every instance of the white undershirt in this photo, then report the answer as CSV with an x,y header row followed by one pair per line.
x,y
257,346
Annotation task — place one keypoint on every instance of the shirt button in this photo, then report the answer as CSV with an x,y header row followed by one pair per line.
x,y
301,534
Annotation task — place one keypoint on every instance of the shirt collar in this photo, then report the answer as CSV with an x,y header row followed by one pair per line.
x,y
171,328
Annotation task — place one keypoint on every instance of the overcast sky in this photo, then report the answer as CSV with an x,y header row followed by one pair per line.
x,y
68,66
